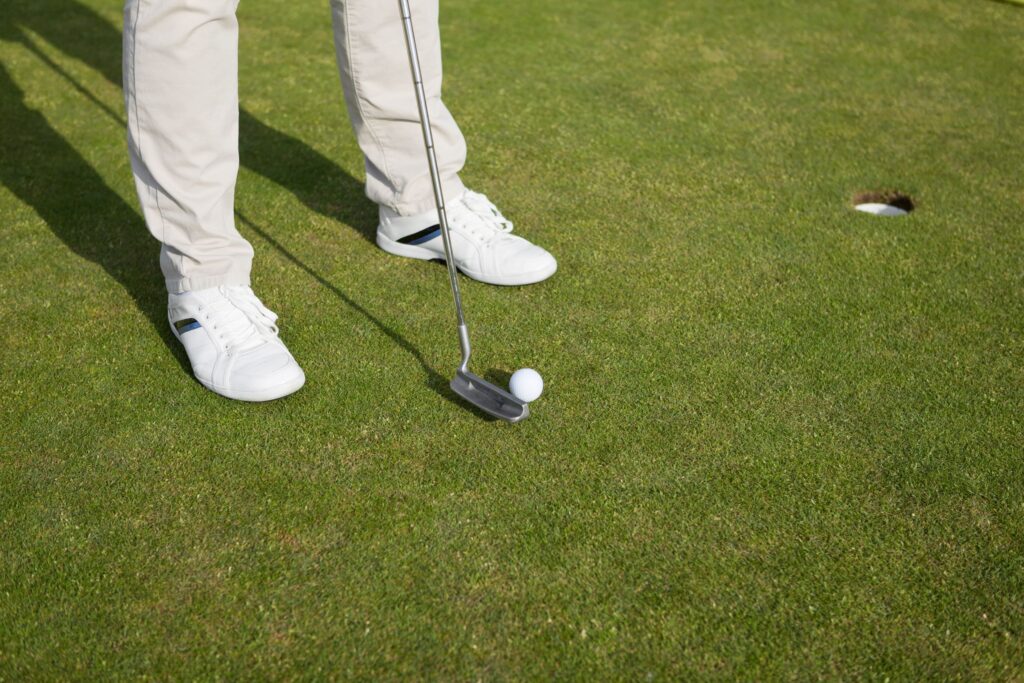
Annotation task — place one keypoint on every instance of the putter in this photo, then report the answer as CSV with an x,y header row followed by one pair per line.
x,y
473,389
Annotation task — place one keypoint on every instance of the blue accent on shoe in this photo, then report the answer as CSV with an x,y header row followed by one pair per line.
x,y
428,237
187,325
422,236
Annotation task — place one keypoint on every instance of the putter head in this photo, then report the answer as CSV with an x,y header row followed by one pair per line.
x,y
489,398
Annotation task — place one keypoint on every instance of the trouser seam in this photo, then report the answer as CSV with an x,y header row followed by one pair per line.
x,y
138,129
359,102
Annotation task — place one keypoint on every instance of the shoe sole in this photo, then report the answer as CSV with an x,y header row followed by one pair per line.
x,y
423,254
271,394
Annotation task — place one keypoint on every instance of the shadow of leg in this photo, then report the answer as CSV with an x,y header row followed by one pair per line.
x,y
45,172
318,182
78,31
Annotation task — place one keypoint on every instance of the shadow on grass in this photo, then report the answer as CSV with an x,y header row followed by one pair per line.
x,y
80,33
315,180
497,377
435,381
46,172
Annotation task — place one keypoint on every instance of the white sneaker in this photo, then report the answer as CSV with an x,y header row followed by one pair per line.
x,y
482,244
231,340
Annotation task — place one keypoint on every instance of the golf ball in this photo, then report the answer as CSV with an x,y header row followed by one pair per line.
x,y
526,384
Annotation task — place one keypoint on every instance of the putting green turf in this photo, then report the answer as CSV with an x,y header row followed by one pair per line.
x,y
780,439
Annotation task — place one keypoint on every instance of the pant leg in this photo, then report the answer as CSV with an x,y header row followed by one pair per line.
x,y
181,96
381,101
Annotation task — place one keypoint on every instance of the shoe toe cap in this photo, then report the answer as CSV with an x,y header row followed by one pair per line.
x,y
526,260
265,374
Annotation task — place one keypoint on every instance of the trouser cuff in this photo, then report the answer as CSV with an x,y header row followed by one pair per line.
x,y
191,284
413,206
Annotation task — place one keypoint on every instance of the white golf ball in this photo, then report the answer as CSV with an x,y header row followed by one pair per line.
x,y
526,384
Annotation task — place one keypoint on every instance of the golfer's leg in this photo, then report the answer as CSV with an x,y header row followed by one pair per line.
x,y
181,95
381,101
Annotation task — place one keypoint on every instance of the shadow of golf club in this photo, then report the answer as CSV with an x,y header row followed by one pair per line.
x,y
435,381
497,377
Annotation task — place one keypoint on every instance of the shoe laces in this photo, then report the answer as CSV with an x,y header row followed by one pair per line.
x,y
241,320
476,214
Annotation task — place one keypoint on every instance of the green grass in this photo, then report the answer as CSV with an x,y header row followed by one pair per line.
x,y
780,439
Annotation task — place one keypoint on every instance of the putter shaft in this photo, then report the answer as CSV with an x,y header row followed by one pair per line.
x,y
435,177
475,390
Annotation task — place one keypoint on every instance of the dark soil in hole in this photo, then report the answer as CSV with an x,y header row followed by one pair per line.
x,y
891,197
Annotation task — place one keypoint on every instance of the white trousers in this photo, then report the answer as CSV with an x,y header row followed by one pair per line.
x,y
181,96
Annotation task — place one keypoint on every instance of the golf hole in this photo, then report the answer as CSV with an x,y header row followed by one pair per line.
x,y
883,203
